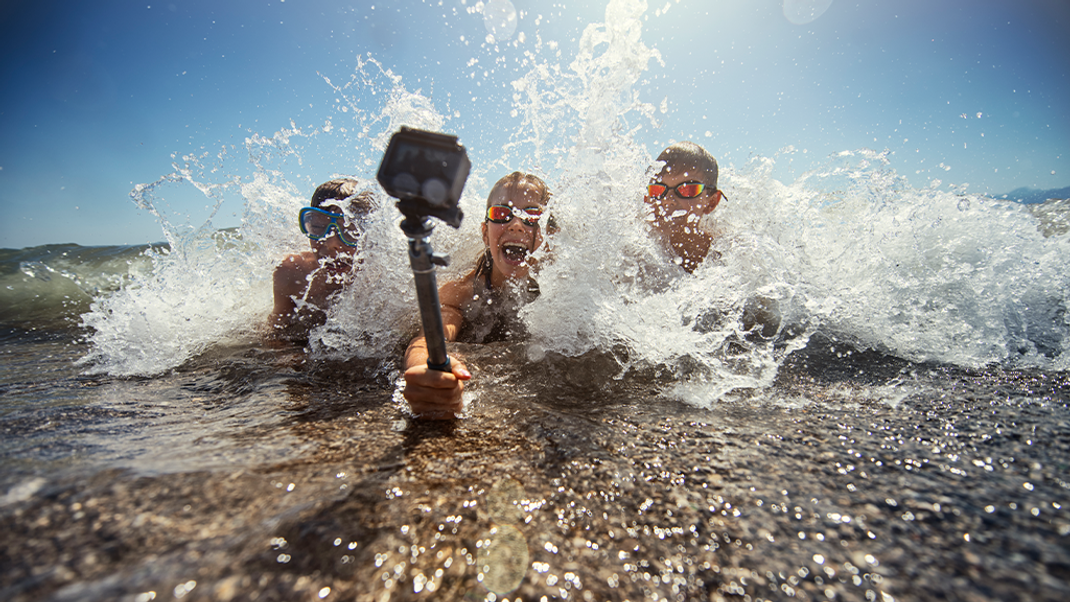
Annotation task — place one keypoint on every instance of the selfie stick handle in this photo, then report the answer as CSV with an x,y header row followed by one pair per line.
x,y
423,261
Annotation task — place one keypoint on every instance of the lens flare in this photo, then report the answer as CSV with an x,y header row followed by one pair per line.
x,y
802,12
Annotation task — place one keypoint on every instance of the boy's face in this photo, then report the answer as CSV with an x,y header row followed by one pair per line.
x,y
333,254
672,214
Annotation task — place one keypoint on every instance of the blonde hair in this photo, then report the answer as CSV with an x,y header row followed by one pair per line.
x,y
518,178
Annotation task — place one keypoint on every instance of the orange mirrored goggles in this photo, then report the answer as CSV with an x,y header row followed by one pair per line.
x,y
503,214
684,190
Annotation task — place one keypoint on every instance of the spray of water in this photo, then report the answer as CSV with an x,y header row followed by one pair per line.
x,y
607,285
848,249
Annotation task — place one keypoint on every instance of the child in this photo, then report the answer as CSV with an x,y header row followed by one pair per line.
x,y
481,307
305,282
680,195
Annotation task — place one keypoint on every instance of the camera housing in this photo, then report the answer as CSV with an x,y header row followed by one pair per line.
x,y
426,172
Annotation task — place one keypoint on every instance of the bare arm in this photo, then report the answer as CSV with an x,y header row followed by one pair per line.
x,y
288,282
433,393
291,281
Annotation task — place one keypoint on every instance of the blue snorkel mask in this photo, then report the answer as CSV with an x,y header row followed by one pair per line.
x,y
317,224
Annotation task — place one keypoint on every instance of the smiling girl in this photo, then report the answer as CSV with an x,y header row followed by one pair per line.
x,y
482,306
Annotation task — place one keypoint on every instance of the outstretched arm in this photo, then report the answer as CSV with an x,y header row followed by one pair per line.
x,y
433,393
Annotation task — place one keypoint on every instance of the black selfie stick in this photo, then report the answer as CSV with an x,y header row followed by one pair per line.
x,y
426,172
423,261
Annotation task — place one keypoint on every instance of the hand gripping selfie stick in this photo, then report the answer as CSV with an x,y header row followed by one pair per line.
x,y
426,172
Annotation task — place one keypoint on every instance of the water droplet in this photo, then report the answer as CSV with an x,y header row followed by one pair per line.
x,y
801,12
500,19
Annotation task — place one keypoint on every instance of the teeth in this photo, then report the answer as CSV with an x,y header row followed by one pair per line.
x,y
514,249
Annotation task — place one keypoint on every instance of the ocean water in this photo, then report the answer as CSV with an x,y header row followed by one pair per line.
x,y
904,434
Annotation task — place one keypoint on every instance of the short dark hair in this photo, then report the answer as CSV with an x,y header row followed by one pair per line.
x,y
692,155
343,189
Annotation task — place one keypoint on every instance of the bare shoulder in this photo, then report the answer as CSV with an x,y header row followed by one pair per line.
x,y
456,293
454,296
297,263
294,270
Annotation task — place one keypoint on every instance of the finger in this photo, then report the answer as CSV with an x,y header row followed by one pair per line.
x,y
416,391
434,405
422,376
459,370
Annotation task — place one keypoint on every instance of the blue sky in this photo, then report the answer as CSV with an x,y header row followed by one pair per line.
x,y
98,95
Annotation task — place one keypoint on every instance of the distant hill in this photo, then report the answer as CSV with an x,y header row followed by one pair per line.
x,y
1053,216
1030,196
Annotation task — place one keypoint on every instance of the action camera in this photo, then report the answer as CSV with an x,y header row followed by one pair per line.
x,y
426,172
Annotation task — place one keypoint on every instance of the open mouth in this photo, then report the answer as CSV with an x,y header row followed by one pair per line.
x,y
337,264
514,253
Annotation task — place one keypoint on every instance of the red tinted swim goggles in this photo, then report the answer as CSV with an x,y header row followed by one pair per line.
x,y
503,214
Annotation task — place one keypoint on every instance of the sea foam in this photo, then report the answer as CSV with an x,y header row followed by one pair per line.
x,y
848,249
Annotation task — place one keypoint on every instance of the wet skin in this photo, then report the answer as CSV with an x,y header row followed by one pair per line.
x,y
675,219
511,244
436,394
305,282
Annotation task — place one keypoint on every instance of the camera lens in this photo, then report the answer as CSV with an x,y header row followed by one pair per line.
x,y
434,190
406,183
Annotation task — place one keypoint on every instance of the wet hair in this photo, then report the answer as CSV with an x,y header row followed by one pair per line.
x,y
484,264
342,189
518,178
689,154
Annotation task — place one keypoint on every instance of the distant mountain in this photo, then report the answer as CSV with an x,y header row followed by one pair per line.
x,y
1030,196
1053,216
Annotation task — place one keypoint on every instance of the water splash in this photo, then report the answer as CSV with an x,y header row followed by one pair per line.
x,y
848,249
607,286
500,19
209,287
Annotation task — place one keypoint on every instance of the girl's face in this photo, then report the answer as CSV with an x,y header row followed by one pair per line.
x,y
511,244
